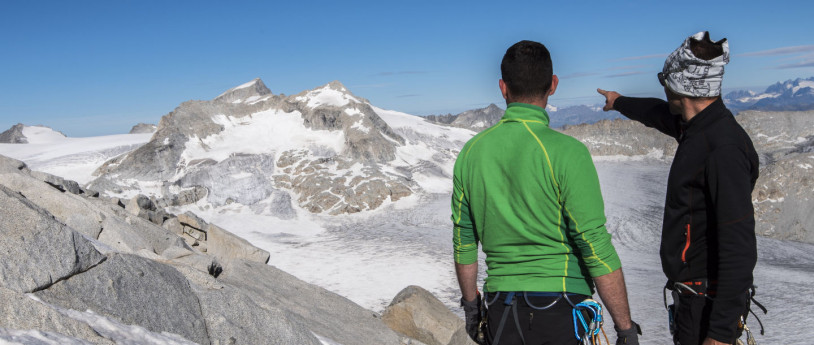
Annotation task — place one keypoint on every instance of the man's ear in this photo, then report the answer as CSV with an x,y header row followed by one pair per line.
x,y
504,90
554,82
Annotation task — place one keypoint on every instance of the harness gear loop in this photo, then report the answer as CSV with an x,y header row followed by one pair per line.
x,y
591,329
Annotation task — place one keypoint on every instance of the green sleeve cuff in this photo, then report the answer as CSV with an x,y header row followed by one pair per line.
x,y
602,265
466,255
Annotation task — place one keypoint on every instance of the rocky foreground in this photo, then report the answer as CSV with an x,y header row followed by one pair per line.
x,y
77,268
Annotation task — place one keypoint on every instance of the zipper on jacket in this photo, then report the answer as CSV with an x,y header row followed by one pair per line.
x,y
686,245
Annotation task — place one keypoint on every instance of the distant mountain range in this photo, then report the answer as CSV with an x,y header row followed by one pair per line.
x,y
790,95
480,119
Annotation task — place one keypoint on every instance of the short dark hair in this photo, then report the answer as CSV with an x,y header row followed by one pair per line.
x,y
706,49
526,69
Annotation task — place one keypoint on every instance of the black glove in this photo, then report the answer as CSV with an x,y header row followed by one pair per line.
x,y
472,315
628,336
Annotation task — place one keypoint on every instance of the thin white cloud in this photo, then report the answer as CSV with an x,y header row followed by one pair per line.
x,y
801,64
619,68
782,51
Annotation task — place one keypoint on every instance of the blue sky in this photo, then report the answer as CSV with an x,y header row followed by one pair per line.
x,y
99,67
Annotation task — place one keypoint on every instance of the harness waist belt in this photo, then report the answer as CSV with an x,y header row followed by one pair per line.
x,y
701,287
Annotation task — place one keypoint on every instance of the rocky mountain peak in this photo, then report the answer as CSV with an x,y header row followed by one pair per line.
x,y
479,119
251,92
332,94
143,128
14,135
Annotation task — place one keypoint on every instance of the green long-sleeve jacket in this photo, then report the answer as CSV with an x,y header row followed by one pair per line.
x,y
530,195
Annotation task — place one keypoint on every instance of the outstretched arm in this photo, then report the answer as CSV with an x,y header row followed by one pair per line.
x,y
651,112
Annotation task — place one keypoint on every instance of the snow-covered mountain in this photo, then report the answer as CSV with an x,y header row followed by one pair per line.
x,y
323,150
790,95
22,134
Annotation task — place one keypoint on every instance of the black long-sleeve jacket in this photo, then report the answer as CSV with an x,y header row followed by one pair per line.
x,y
709,225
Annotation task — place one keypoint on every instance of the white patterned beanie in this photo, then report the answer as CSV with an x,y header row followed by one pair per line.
x,y
690,76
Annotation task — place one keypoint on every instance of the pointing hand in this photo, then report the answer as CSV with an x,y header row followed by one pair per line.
x,y
610,97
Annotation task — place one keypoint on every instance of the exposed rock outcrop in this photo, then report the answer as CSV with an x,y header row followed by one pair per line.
x,y
14,135
143,128
418,314
784,193
38,250
134,290
99,268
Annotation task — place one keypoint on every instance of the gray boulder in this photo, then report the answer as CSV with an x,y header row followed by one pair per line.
x,y
11,165
134,290
23,313
36,250
323,312
415,312
70,209
234,318
59,183
225,245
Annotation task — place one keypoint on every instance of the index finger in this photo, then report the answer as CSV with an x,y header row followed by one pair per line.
x,y
602,92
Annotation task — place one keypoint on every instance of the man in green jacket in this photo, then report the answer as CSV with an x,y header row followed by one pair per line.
x,y
530,196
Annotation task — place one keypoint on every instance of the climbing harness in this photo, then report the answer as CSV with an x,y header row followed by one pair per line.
x,y
590,327
701,288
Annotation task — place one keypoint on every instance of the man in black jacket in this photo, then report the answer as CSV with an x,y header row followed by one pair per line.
x,y
708,248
